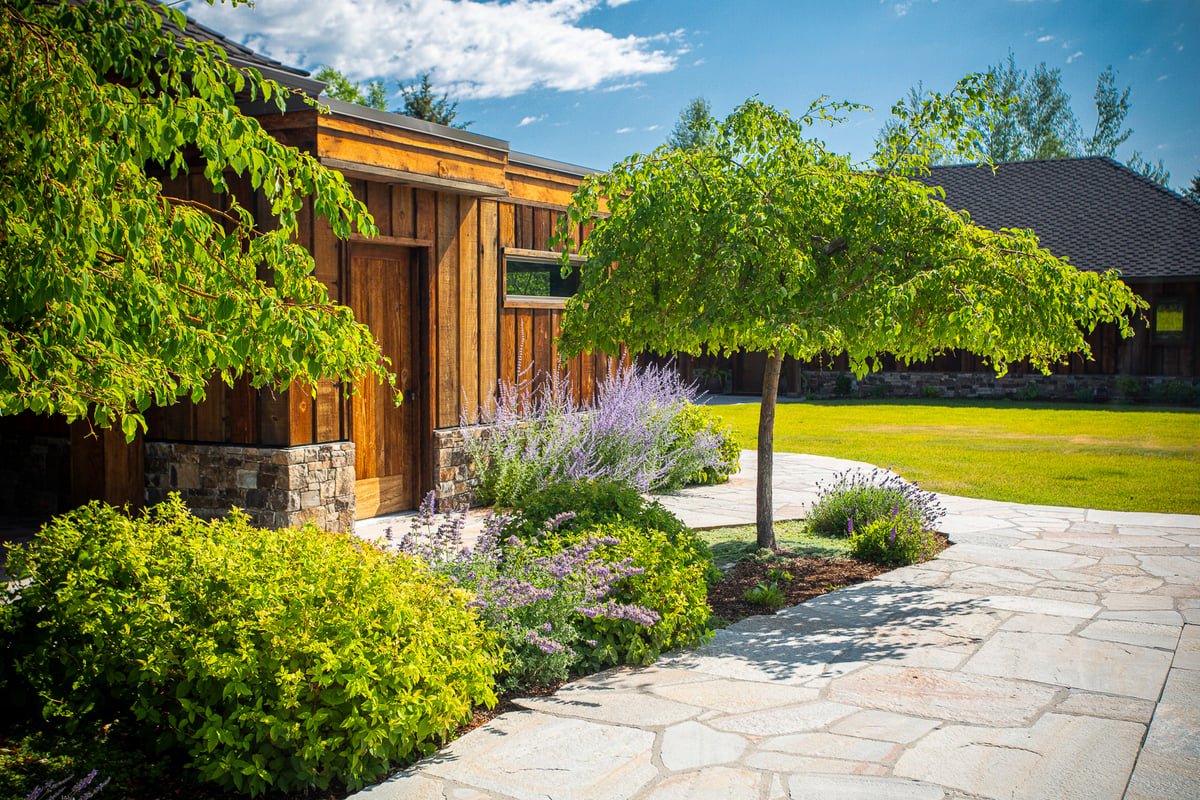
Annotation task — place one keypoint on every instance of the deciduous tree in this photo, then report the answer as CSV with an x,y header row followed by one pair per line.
x,y
762,239
115,296
339,87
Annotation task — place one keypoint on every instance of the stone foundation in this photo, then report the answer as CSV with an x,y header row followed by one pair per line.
x,y
454,475
985,385
35,475
277,487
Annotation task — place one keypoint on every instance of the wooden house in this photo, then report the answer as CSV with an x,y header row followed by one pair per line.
x,y
459,289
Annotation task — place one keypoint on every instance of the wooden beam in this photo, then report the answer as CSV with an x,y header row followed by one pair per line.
x,y
391,241
391,175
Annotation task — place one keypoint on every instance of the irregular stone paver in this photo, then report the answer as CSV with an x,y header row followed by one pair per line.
x,y
735,784
1075,662
1050,653
824,787
691,745
944,695
1058,757
532,756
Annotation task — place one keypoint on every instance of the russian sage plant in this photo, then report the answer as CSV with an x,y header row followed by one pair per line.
x,y
531,599
855,498
631,433
58,790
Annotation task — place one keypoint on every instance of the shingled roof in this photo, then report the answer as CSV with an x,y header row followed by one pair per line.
x,y
1098,214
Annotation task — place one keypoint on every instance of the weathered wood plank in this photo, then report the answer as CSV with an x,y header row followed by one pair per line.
x,y
300,413
525,232
489,302
525,355
404,222
364,429
542,335
468,306
541,229
446,256
243,412
508,345
379,204
328,412
211,415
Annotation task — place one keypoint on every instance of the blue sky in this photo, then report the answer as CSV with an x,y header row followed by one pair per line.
x,y
592,81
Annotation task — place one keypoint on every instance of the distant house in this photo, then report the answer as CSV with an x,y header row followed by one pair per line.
x,y
1097,214
459,289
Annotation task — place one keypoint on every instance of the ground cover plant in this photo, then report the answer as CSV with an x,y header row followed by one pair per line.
x,y
861,497
1120,458
259,660
643,429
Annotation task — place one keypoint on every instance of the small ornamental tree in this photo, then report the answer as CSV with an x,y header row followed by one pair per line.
x,y
761,239
114,296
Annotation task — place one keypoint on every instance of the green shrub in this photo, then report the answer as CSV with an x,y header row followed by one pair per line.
x,y
769,595
842,386
881,390
1129,387
930,391
673,585
1031,391
1173,393
854,499
894,541
268,659
689,425
1085,395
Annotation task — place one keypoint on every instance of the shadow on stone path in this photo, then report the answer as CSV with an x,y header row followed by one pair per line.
x,y
1050,653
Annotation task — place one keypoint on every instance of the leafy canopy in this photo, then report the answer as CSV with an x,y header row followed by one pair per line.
x,y
114,295
761,239
1030,116
340,87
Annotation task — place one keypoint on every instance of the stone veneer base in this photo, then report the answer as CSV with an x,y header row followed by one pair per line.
x,y
454,475
277,487
984,385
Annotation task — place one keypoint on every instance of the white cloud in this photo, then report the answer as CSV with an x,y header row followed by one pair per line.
x,y
1162,77
530,120
624,130
1074,56
474,50
654,127
1046,38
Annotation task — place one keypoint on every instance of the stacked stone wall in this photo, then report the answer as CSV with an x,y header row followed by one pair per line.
x,y
986,386
454,472
277,487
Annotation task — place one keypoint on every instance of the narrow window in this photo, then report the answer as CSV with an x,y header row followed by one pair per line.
x,y
1168,321
533,278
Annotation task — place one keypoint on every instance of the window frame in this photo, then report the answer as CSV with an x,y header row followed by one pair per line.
x,y
538,257
1170,337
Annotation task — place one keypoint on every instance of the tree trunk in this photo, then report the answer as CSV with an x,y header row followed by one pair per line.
x,y
764,512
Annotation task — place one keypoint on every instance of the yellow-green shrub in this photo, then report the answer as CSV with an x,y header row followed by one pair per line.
x,y
673,585
270,659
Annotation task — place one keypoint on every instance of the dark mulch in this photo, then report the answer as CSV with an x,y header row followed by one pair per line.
x,y
811,577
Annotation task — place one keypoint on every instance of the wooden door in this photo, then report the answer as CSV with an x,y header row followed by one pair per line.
x,y
383,295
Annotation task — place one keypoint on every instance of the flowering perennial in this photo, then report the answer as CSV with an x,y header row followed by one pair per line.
x,y
631,433
531,598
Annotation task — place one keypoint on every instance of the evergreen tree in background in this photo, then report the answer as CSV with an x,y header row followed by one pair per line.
x,y
421,102
694,126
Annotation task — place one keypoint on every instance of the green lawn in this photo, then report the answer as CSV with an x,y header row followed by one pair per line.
x,y
1125,458
735,542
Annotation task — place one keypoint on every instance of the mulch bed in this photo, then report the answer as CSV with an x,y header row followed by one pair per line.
x,y
811,577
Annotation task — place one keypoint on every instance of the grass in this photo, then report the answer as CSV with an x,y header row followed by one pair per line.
x,y
733,543
1120,458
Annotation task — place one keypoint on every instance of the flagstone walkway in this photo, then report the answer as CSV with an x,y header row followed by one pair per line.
x,y
1049,653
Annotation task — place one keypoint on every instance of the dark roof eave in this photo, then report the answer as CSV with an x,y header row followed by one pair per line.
x,y
574,170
